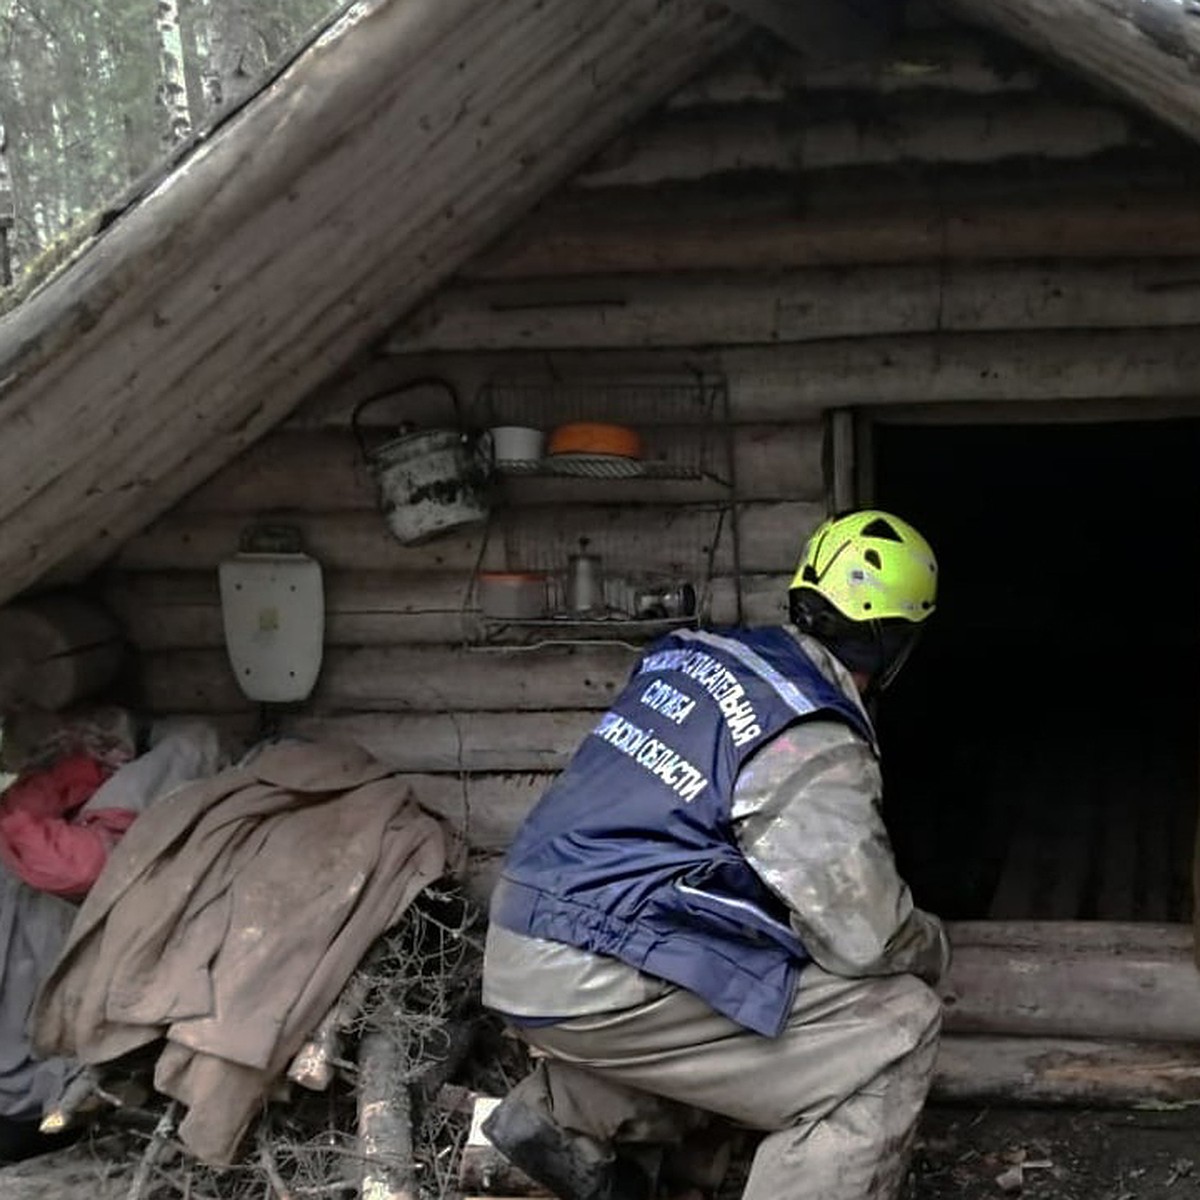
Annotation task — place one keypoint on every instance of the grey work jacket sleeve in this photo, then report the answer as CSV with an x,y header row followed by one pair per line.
x,y
807,817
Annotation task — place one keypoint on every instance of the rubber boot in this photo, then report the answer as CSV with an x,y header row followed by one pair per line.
x,y
572,1165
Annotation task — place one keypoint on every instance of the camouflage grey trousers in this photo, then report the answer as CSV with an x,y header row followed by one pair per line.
x,y
838,1093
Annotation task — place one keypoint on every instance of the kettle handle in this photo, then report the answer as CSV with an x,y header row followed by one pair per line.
x,y
483,449
410,385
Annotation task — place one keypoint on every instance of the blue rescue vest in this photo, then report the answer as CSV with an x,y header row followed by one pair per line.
x,y
631,851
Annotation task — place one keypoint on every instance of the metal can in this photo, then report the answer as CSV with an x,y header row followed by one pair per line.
x,y
585,585
674,600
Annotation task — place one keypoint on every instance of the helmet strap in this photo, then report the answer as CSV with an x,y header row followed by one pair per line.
x,y
878,649
895,656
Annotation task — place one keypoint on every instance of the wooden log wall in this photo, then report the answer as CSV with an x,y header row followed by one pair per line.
x,y
957,223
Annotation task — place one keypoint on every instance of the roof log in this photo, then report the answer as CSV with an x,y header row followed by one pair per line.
x,y
1147,51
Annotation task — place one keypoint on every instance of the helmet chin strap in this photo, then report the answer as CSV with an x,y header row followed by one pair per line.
x,y
876,649
887,674
879,675
874,658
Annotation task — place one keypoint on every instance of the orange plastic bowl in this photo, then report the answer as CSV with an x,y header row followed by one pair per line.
x,y
589,437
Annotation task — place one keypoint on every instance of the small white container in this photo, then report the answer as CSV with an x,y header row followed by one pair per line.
x,y
517,444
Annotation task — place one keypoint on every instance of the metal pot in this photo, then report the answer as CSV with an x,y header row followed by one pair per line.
x,y
431,481
512,595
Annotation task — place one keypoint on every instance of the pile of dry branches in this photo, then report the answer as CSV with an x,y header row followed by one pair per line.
x,y
386,1124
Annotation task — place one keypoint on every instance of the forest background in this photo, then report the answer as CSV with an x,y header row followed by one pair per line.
x,y
96,95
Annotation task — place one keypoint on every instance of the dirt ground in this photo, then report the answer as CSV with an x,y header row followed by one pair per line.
x,y
1042,1154
962,1154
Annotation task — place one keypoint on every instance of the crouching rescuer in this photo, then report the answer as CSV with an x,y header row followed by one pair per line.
x,y
701,921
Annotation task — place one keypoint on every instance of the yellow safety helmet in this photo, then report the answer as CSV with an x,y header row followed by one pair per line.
x,y
865,584
870,566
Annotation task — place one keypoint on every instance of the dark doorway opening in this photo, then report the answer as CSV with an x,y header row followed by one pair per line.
x,y
1041,749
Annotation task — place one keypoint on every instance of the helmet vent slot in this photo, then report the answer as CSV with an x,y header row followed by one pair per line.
x,y
880,528
872,556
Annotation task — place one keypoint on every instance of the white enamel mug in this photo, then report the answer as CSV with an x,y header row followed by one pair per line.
x,y
517,443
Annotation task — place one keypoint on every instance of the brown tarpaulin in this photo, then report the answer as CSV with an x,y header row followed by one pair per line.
x,y
229,919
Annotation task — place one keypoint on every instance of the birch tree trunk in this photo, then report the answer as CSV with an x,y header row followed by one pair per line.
x,y
235,63
6,213
212,74
172,88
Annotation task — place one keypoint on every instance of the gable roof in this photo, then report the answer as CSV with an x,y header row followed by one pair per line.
x,y
394,148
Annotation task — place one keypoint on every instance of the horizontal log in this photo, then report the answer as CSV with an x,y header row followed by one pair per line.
x,y
486,810
323,471
805,305
786,382
682,146
56,650
460,774
355,540
1074,1072
792,382
379,396
1087,1012
1041,989
859,217
413,678
763,597
459,741
947,61
998,1070
1043,1071
423,678
396,398
684,541
182,611
1117,938
1135,982
1046,412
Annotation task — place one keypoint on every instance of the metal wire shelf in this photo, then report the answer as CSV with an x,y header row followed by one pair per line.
x,y
569,630
683,421
598,467
616,622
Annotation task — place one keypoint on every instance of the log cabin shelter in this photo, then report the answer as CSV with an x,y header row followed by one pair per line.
x,y
956,275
